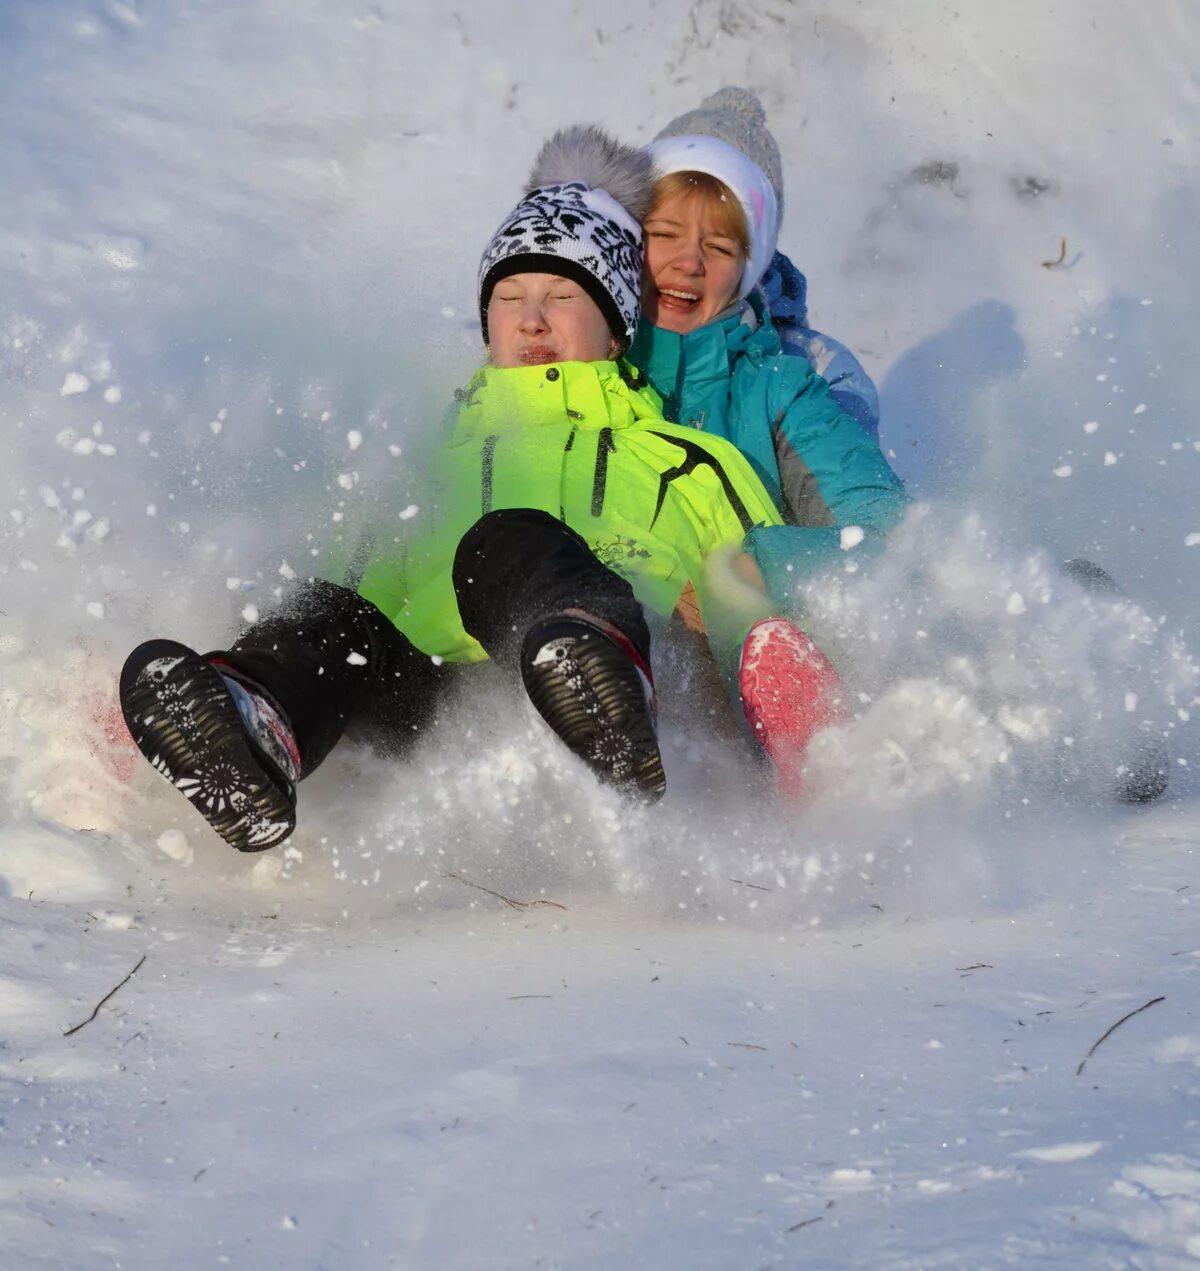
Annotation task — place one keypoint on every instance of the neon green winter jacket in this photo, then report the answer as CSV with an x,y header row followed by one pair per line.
x,y
586,442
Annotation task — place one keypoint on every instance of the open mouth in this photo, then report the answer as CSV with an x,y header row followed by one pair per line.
x,y
676,299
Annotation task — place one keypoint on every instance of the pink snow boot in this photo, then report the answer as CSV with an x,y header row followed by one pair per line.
x,y
789,692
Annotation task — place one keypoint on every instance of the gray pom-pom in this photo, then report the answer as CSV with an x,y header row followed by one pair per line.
x,y
739,101
586,153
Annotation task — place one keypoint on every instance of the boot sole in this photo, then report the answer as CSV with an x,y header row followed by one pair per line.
x,y
183,720
585,688
789,692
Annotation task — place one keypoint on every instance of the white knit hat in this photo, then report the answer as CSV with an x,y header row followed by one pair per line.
x,y
727,138
579,219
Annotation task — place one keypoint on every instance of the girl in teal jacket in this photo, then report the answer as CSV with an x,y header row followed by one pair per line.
x,y
707,344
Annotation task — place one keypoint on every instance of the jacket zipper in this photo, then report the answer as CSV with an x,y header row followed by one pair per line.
x,y
604,447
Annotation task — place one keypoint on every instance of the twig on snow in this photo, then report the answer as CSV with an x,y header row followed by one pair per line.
x,y
1109,1032
512,904
756,886
808,1222
1062,256
105,998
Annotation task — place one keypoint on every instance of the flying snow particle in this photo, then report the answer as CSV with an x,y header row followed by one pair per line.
x,y
112,395
174,843
1140,408
409,512
250,614
1192,540
1016,604
74,383
1064,471
1109,458
1091,425
851,536
356,659
346,480
354,439
1131,701
286,571
95,609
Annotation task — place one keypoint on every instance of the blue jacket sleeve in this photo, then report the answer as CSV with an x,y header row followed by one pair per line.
x,y
785,291
838,489
787,555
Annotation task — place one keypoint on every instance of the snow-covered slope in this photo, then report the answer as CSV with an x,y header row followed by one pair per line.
x,y
237,253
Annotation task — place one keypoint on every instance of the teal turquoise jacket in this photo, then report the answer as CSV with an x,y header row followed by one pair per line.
x,y
826,475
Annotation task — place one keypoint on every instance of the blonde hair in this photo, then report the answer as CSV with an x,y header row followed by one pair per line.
x,y
718,197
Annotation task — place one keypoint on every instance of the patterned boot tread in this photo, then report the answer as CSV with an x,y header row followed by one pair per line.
x,y
595,696
183,719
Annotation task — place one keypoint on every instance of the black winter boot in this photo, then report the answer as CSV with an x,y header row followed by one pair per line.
x,y
218,740
589,684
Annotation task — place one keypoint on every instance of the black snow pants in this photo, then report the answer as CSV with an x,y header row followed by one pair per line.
x,y
332,661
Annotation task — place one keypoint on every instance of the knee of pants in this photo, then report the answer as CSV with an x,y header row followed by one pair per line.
x,y
500,537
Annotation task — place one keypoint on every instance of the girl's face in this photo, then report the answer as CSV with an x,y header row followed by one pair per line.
x,y
693,266
539,318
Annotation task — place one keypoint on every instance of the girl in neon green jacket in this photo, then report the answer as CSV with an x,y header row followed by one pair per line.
x,y
586,443
562,505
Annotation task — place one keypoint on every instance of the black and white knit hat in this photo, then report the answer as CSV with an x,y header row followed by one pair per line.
x,y
580,219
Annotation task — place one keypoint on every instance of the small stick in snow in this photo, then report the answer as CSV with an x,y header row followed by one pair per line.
x,y
105,998
808,1222
1109,1032
745,1045
1062,261
757,887
512,904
